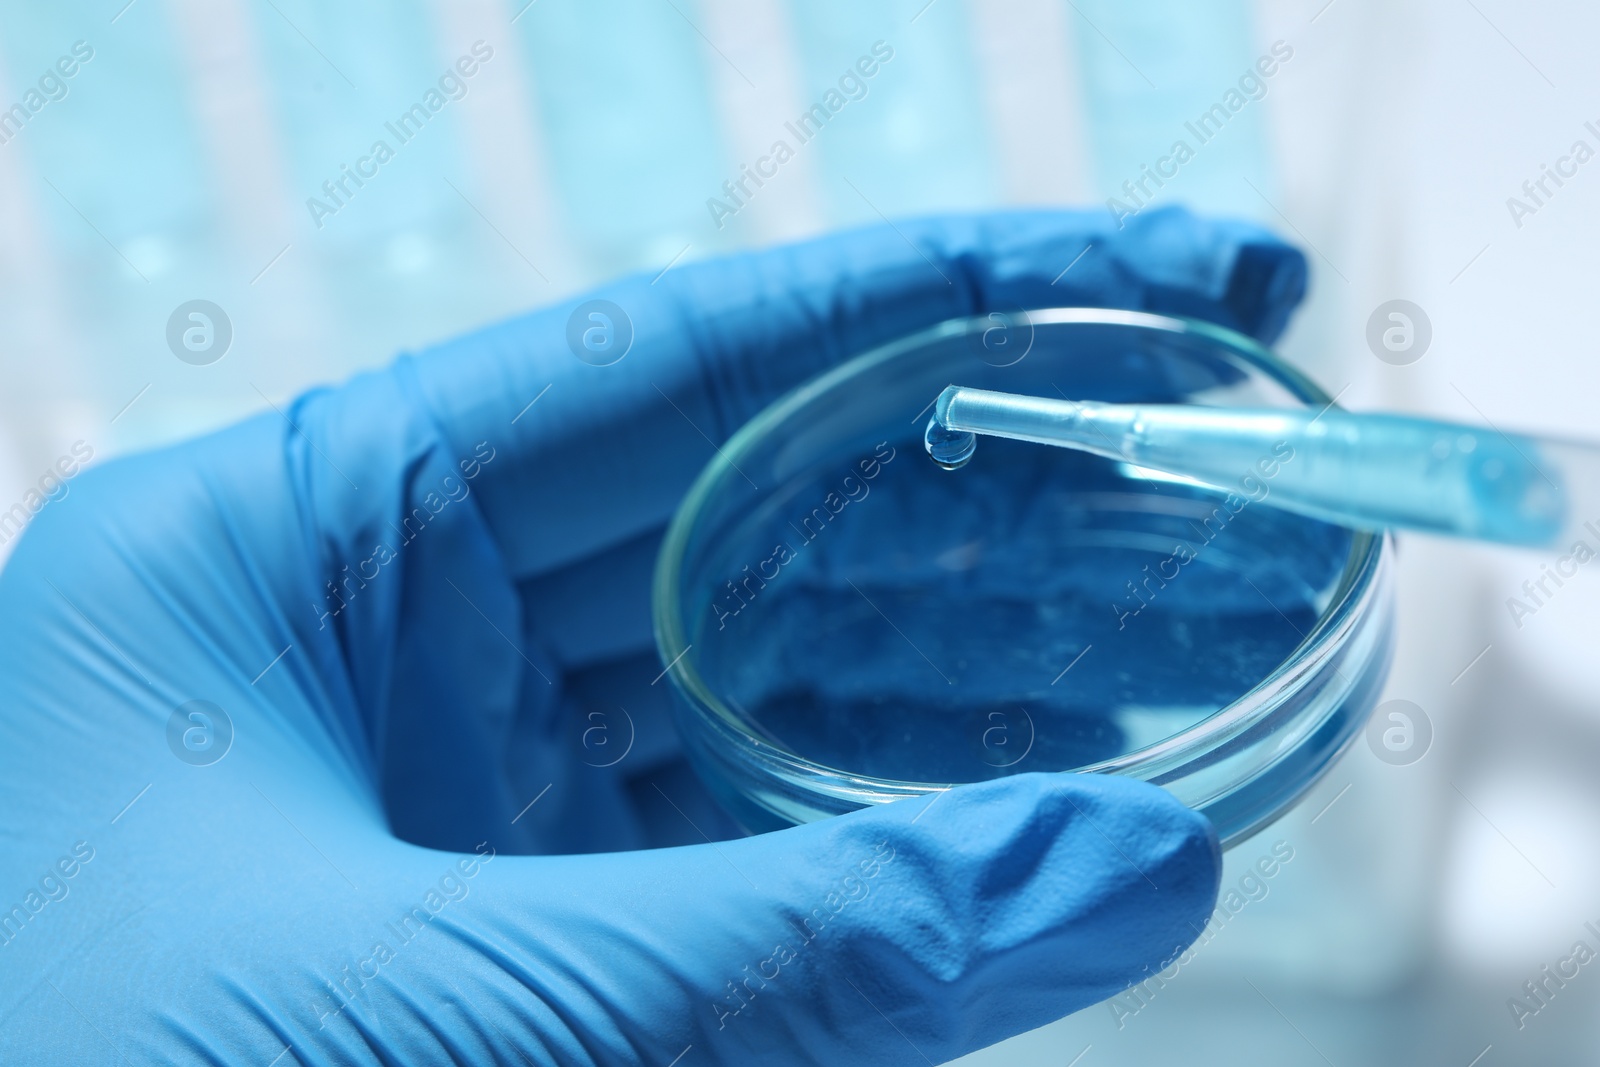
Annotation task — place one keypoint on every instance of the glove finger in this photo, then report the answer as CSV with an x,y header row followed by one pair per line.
x,y
911,933
605,452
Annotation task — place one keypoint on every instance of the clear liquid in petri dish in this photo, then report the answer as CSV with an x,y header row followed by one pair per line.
x,y
1044,610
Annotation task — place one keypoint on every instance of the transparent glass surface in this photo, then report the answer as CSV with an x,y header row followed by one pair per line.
x,y
847,623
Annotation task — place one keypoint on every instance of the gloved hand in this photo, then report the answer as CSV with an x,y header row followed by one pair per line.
x,y
385,834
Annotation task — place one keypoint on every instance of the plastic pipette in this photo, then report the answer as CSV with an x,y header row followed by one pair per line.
x,y
1370,471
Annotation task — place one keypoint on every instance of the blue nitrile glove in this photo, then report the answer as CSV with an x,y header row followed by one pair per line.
x,y
385,835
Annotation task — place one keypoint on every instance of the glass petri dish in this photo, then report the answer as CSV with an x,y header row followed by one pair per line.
x,y
844,623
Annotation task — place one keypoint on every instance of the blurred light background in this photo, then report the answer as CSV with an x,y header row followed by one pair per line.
x,y
178,163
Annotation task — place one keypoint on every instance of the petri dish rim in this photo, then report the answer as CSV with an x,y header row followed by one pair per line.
x,y
1358,585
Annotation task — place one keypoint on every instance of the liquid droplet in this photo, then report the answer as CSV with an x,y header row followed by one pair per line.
x,y
950,449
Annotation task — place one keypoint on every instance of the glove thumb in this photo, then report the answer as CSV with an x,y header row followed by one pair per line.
x,y
910,933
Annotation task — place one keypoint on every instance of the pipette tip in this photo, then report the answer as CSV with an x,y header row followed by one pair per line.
x,y
950,449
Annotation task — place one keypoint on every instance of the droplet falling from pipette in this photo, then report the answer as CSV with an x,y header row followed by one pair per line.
x,y
950,449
